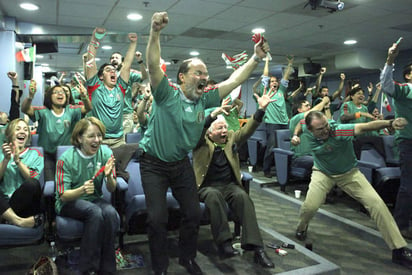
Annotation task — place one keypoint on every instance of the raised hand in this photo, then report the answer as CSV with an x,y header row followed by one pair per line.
x,y
132,37
223,109
159,21
138,56
7,150
265,99
261,48
12,75
32,88
99,33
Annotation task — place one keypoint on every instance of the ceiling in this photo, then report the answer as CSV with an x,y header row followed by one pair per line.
x,y
213,27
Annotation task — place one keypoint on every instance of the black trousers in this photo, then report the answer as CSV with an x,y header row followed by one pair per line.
x,y
216,198
157,177
25,201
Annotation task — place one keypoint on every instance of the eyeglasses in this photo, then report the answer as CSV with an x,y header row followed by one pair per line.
x,y
109,70
59,92
98,136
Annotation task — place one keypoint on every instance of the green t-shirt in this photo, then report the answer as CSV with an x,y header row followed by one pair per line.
x,y
176,123
350,108
108,104
403,108
304,147
276,112
53,129
74,168
12,178
335,155
135,76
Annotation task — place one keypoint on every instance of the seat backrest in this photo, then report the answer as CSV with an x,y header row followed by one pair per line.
x,y
34,140
371,155
283,139
133,137
389,146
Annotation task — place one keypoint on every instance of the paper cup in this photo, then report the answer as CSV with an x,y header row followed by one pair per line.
x,y
250,168
297,194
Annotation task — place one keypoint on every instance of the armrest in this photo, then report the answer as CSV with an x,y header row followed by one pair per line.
x,y
48,190
121,184
246,178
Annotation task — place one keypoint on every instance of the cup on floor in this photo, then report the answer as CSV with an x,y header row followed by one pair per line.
x,y
297,194
250,168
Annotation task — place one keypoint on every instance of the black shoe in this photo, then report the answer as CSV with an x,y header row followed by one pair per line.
x,y
191,266
301,235
268,175
407,234
263,259
226,250
402,256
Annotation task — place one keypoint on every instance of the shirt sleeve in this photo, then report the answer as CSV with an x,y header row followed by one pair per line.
x,y
386,78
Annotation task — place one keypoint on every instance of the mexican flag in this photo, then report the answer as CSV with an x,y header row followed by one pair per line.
x,y
385,103
27,55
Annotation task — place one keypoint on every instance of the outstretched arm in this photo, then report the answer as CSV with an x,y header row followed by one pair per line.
x,y
387,73
241,74
338,92
318,82
26,106
398,123
142,66
97,35
128,59
159,21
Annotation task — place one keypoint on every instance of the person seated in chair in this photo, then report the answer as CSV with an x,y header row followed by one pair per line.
x,y
80,174
20,169
217,171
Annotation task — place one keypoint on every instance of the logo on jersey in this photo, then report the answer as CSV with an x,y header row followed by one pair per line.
x,y
188,109
200,117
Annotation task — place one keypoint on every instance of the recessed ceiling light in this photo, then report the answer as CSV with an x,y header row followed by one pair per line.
x,y
97,59
39,56
44,65
134,16
229,67
194,53
107,47
167,63
258,30
29,6
350,42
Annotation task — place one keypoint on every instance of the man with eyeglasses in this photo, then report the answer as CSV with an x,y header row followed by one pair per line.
x,y
107,90
175,127
335,164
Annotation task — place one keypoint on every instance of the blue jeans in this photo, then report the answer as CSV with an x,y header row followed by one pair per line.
x,y
403,208
101,222
157,176
268,159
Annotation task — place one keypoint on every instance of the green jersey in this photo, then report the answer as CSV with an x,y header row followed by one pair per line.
x,y
76,96
135,76
108,104
12,178
276,112
335,155
56,129
304,147
74,168
350,108
176,123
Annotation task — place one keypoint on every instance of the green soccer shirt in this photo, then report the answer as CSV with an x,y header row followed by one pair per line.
x,y
53,129
12,178
335,155
108,104
176,123
74,168
304,147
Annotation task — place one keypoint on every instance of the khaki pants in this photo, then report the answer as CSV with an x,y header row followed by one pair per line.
x,y
357,186
114,142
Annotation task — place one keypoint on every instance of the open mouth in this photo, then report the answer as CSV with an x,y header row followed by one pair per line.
x,y
201,85
21,137
113,78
